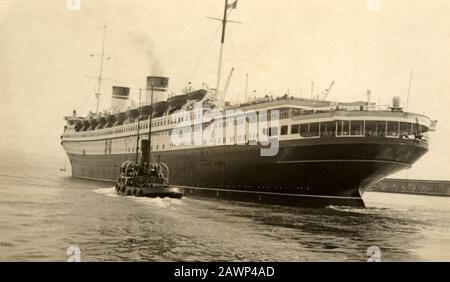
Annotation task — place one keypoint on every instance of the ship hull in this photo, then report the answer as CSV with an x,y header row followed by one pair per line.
x,y
317,172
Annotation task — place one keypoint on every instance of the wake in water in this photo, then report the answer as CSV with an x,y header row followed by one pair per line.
x,y
367,210
110,192
158,202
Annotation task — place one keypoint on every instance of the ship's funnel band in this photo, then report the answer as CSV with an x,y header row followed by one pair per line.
x,y
119,97
119,91
157,81
156,88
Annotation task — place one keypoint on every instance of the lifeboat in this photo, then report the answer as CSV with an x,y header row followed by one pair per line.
x,y
93,124
78,125
110,120
197,95
120,118
86,124
132,115
176,102
144,112
101,122
160,108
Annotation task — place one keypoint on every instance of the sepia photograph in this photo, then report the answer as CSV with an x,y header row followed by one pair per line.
x,y
229,131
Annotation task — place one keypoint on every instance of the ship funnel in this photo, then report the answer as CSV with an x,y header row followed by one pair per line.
x,y
120,99
160,85
396,104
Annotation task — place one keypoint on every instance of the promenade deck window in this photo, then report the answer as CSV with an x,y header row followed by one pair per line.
x,y
328,129
371,128
343,128
393,128
356,127
310,129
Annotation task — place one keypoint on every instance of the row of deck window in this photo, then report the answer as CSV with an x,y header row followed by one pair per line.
x,y
355,128
334,128
316,129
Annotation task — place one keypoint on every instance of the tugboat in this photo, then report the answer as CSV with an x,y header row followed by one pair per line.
x,y
146,178
142,180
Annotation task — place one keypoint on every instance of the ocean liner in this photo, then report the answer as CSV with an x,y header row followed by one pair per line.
x,y
323,152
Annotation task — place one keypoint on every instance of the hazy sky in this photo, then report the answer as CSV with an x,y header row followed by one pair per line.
x,y
45,57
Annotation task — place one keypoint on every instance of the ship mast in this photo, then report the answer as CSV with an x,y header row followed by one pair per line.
x,y
224,21
222,41
100,75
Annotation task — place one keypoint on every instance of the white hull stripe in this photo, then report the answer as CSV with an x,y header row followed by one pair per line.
x,y
349,160
273,193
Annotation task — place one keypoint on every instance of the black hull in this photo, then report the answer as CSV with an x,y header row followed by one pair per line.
x,y
305,172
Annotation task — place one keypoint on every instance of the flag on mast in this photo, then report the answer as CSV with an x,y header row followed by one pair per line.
x,y
232,5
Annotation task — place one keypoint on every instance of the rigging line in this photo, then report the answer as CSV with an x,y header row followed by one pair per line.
x,y
200,61
229,13
203,55
409,90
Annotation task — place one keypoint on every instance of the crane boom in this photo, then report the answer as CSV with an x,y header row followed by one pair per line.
x,y
225,89
324,93
327,91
